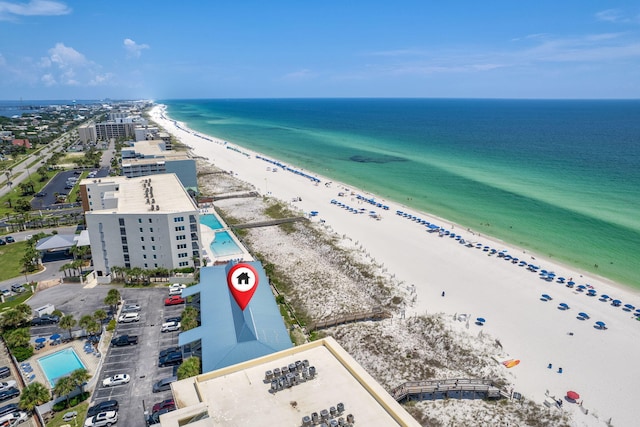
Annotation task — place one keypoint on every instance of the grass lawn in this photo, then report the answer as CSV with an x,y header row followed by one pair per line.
x,y
11,259
81,409
17,299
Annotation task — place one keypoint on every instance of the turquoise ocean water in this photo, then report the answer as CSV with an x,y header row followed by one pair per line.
x,y
561,178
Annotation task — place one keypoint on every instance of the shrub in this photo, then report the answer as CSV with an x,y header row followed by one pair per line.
x,y
112,325
22,353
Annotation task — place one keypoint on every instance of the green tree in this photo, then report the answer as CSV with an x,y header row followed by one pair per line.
x,y
100,315
112,299
33,395
93,327
12,318
24,309
67,322
189,319
189,368
79,377
85,321
18,338
42,171
22,205
64,386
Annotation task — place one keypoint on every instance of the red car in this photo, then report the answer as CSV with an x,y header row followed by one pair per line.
x,y
169,403
174,300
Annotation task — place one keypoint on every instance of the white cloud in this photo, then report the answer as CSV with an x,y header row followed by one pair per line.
x,y
11,10
299,75
66,66
134,49
617,16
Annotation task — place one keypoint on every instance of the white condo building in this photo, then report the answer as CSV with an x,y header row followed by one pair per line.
x,y
147,222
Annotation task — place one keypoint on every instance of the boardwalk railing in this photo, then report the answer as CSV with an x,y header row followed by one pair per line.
x,y
376,314
448,388
270,222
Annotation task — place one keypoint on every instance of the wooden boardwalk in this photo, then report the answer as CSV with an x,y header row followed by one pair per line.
x,y
270,222
376,314
235,195
461,388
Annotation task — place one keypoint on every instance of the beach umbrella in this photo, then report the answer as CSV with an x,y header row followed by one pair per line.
x,y
604,297
480,320
563,306
572,395
616,302
561,279
545,296
583,315
54,337
629,307
40,340
591,292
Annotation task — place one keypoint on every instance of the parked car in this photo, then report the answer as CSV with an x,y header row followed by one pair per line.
x,y
154,418
174,300
124,340
167,403
13,418
130,308
118,379
6,293
68,416
129,317
170,327
170,359
9,393
166,351
41,194
45,319
10,239
175,291
102,419
4,385
17,288
5,372
164,384
173,319
2,242
108,405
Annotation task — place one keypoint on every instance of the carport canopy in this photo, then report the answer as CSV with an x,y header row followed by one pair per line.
x,y
57,242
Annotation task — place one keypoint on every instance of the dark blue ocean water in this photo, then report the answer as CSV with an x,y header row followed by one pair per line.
x,y
561,178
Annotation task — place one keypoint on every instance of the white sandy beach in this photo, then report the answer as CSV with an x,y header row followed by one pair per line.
x,y
598,364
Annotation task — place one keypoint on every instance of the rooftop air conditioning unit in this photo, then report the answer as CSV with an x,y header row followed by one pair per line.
x,y
157,207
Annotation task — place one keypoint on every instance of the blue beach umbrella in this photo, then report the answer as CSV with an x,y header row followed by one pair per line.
x,y
480,321
600,324
629,307
54,337
583,316
616,303
604,297
563,306
591,292
561,279
40,340
545,297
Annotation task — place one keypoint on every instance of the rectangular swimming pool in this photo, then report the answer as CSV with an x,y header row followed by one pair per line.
x,y
60,364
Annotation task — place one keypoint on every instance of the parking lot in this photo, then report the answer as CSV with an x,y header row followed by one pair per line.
x,y
139,361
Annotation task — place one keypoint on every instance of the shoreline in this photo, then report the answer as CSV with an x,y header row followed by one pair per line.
x,y
495,289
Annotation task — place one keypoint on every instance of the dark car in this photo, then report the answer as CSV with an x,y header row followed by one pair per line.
x,y
9,409
169,350
167,403
109,405
5,372
10,239
41,194
9,393
45,319
171,359
17,288
154,418
2,242
123,340
174,319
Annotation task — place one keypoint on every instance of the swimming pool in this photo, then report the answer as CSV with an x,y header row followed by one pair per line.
x,y
224,245
211,221
60,364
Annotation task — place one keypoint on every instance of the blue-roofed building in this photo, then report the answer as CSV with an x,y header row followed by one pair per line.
x,y
228,335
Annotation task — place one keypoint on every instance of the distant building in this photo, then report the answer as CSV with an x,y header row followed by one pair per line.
x,y
87,133
21,143
282,389
145,158
228,335
140,222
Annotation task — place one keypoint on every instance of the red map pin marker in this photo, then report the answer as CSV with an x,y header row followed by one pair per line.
x,y
243,281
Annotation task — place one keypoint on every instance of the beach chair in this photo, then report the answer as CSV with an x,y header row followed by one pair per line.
x,y
31,377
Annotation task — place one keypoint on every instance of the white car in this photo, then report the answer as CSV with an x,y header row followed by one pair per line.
x,y
116,380
102,419
170,327
177,286
129,317
14,418
175,291
7,384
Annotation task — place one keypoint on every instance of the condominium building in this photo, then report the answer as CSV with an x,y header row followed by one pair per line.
x,y
146,222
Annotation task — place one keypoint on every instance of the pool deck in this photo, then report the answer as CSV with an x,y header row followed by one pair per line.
x,y
208,236
90,361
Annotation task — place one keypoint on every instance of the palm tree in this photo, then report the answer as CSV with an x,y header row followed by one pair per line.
x,y
85,321
33,395
112,299
18,338
79,377
24,309
93,327
12,318
67,322
189,368
64,386
100,315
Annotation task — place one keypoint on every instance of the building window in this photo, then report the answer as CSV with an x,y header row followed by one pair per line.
x,y
141,229
180,237
126,257
153,248
183,255
143,247
178,219
125,249
182,246
155,256
153,239
127,265
156,265
142,239
149,220
150,229
180,228
183,264
123,231
121,222
124,240
139,220
145,265
144,256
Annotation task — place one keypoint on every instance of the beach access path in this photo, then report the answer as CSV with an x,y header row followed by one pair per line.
x,y
598,364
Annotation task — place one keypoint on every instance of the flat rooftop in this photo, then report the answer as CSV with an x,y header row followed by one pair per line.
x,y
240,395
164,191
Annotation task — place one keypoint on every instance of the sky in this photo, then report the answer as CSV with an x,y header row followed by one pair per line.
x,y
159,49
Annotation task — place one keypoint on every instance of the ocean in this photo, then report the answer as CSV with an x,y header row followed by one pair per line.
x,y
557,177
